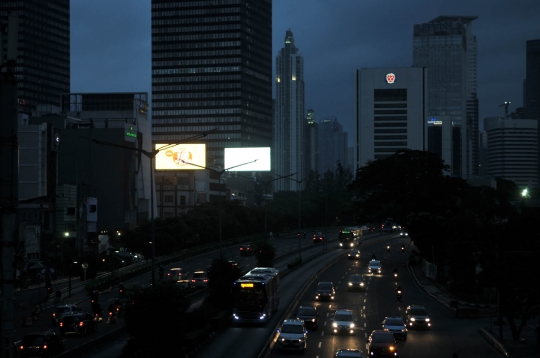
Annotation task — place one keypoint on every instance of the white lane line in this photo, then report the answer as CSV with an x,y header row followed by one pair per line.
x,y
320,344
365,325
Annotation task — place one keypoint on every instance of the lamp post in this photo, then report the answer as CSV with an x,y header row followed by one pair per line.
x,y
69,280
151,155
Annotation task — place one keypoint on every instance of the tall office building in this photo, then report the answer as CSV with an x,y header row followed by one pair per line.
x,y
447,47
532,80
332,145
212,68
512,150
289,117
42,68
391,112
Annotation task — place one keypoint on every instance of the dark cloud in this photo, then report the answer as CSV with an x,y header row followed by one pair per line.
x,y
111,44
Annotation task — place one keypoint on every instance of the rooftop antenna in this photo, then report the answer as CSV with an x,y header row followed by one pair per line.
x,y
505,104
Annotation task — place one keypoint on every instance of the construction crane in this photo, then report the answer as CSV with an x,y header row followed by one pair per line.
x,y
505,104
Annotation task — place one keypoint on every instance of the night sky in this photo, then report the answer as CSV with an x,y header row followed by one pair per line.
x,y
111,45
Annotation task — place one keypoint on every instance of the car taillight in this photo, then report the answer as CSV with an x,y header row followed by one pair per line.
x,y
54,314
21,347
193,280
205,280
61,324
81,324
44,346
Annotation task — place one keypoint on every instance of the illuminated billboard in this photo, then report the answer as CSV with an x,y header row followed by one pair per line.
x,y
247,159
180,156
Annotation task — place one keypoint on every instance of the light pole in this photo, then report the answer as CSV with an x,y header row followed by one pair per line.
x,y
69,281
220,172
151,155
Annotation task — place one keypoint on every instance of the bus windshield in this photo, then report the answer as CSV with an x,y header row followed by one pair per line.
x,y
249,298
345,236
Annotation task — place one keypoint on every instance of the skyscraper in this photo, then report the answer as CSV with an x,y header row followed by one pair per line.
x,y
42,68
289,117
312,142
212,68
532,80
447,47
332,145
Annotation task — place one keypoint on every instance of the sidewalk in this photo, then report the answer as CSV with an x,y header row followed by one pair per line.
x,y
526,347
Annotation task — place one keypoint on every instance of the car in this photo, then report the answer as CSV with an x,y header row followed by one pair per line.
x,y
200,278
348,353
41,344
417,317
353,254
374,267
309,315
60,311
246,249
318,237
356,282
176,273
396,325
78,323
343,322
292,335
325,291
381,344
404,234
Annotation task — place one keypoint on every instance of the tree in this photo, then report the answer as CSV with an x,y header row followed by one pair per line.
x,y
156,320
265,254
222,274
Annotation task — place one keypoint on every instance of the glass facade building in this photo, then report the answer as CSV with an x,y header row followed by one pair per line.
x,y
42,68
290,122
447,48
212,69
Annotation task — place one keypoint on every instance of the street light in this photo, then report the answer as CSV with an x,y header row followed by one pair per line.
x,y
220,173
69,282
151,155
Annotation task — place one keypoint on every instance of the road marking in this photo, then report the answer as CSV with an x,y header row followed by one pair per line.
x,y
320,344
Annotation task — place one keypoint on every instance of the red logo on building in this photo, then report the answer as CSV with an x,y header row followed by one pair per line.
x,y
390,78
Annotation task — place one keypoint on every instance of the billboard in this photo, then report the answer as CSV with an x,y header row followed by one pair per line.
x,y
180,156
247,159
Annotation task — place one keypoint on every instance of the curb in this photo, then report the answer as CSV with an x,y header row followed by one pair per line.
x,y
83,348
493,341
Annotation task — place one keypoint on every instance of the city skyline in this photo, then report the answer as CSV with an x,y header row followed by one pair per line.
x,y
111,46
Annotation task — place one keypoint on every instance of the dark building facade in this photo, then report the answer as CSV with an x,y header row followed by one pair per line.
x,y
447,47
42,68
532,80
212,69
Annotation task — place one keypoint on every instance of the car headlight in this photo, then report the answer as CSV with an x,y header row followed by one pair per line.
x,y
350,283
334,324
352,325
413,319
361,284
427,319
313,320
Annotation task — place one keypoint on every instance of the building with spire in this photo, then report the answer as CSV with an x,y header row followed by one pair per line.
x,y
447,48
289,136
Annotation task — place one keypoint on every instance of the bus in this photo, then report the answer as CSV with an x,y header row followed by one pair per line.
x,y
350,237
256,296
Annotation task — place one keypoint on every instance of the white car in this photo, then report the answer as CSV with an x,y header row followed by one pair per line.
x,y
292,335
374,267
343,322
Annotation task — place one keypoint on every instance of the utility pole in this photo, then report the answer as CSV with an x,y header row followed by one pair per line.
x,y
9,183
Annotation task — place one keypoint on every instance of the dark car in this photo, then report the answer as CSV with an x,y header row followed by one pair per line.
x,y
343,322
417,317
381,344
78,323
396,325
176,273
348,353
325,291
45,344
309,315
356,282
353,254
246,249
318,237
60,311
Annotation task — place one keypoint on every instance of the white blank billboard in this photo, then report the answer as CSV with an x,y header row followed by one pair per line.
x,y
247,159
